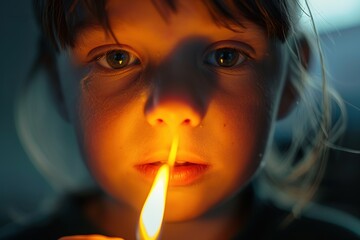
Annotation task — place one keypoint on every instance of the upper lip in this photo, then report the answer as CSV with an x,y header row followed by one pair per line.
x,y
181,157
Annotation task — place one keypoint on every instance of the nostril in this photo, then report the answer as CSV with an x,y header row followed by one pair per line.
x,y
174,114
186,121
159,121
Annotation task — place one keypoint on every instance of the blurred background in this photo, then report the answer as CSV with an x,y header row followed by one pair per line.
x,y
22,187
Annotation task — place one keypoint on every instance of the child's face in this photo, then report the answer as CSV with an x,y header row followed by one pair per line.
x,y
219,87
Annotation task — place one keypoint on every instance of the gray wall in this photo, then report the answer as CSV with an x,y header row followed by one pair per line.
x,y
21,187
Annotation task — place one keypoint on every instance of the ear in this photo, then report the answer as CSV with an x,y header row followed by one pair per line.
x,y
290,94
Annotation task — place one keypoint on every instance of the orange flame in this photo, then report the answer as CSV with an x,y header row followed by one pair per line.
x,y
152,213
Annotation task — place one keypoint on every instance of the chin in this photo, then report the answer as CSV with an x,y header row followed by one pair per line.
x,y
180,216
185,209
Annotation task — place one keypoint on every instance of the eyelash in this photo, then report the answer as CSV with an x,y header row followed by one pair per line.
x,y
239,57
129,59
117,56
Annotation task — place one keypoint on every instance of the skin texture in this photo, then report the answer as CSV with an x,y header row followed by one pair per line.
x,y
224,115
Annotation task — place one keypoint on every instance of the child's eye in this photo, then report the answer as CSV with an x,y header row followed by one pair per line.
x,y
225,57
117,59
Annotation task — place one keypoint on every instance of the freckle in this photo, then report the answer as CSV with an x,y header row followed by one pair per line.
x,y
224,124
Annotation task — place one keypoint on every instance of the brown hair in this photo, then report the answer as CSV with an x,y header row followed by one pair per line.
x,y
60,19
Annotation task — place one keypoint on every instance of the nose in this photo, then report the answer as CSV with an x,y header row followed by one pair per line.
x,y
173,111
180,92
176,99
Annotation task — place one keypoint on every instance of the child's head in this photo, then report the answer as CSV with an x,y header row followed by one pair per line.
x,y
220,72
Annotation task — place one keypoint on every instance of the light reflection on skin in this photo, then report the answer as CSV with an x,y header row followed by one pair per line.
x,y
231,111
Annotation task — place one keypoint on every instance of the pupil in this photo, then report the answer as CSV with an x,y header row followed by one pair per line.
x,y
226,57
117,59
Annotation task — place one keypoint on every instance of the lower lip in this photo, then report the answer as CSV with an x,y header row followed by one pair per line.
x,y
181,174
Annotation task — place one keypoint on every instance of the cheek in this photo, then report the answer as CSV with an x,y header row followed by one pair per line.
x,y
108,117
242,119
244,152
110,137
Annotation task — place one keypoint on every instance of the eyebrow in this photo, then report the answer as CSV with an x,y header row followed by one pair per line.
x,y
86,27
96,28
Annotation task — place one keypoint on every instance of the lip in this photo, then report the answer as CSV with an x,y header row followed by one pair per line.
x,y
184,172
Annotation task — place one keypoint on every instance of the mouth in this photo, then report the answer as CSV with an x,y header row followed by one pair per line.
x,y
183,172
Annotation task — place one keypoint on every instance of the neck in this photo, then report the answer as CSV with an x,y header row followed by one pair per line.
x,y
224,222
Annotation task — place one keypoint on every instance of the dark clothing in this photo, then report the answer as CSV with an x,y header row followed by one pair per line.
x,y
67,219
265,224
269,224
